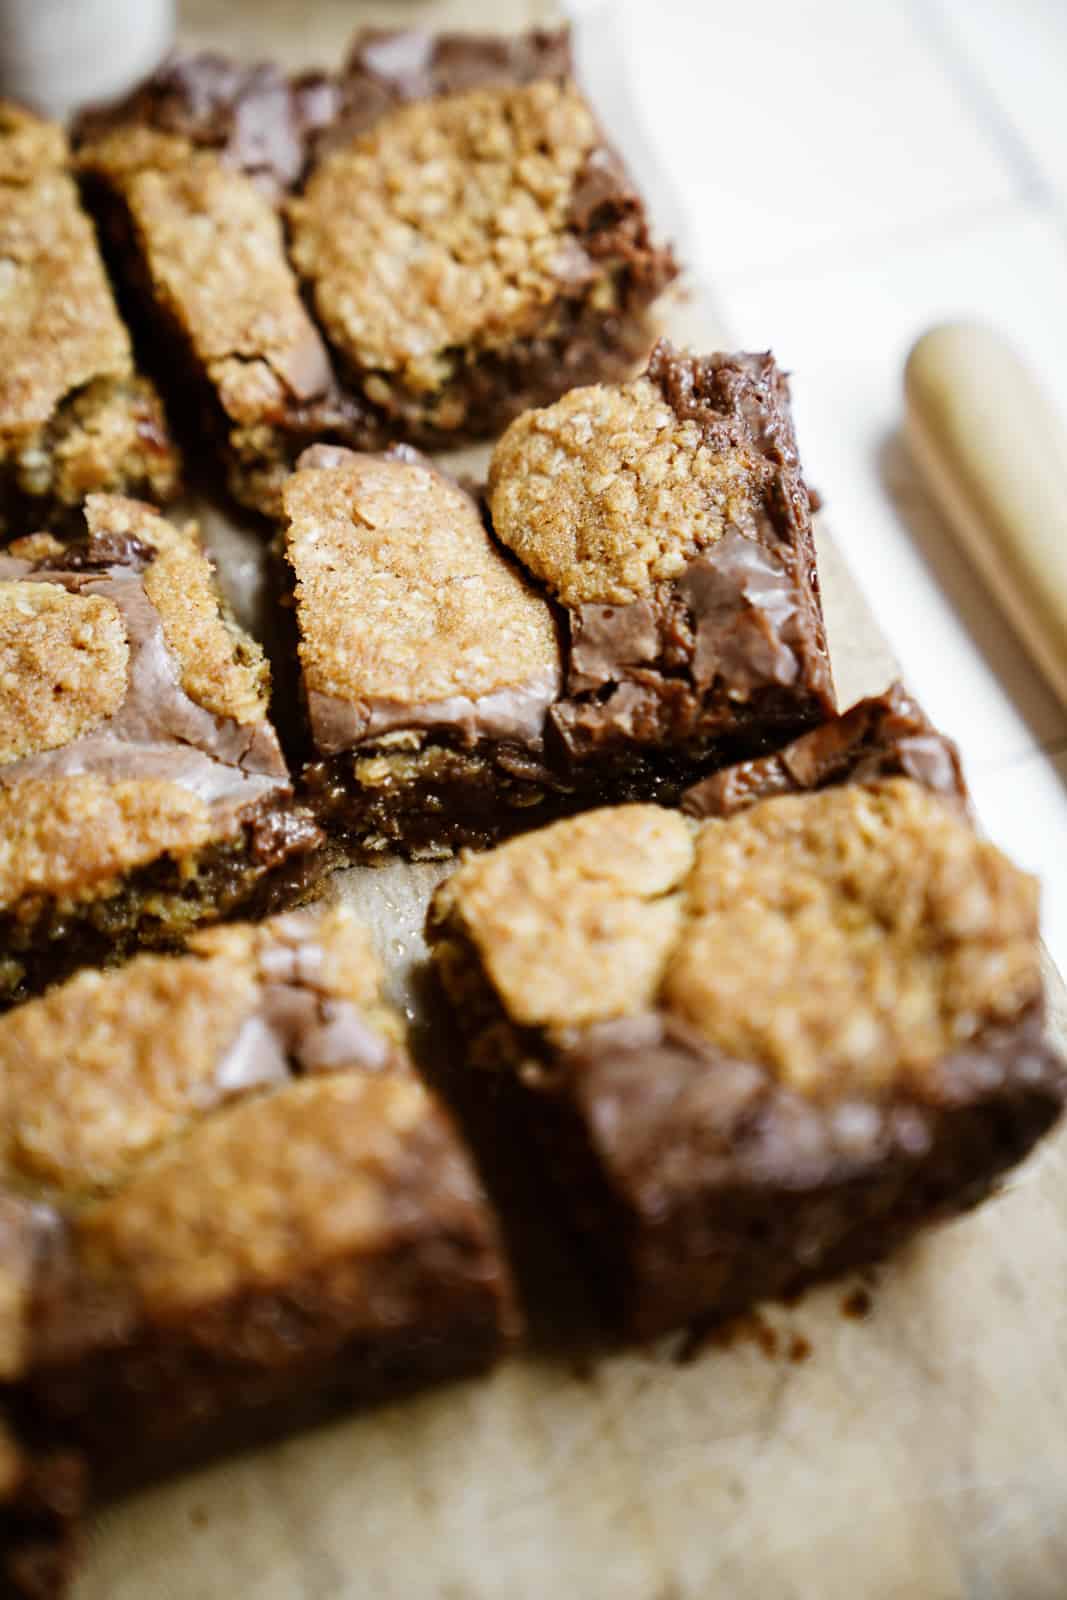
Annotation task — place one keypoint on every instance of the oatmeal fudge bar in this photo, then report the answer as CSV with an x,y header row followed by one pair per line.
x,y
183,176
468,240
142,787
885,736
427,662
669,520
75,416
758,1051
240,1197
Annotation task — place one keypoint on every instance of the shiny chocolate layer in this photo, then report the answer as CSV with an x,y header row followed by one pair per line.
x,y
159,732
885,736
515,714
681,664
669,1112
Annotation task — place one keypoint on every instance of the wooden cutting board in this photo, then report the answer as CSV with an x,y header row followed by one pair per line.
x,y
918,1451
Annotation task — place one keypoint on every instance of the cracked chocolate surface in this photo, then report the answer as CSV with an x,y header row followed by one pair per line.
x,y
884,736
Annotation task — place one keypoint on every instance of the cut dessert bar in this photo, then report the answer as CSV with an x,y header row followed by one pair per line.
x,y
427,661
669,520
234,1196
74,414
655,612
885,736
762,1050
142,787
183,176
469,241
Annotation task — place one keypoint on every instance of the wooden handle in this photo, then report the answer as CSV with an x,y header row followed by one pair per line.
x,y
994,453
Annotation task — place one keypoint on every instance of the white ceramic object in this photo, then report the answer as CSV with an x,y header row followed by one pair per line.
x,y
57,54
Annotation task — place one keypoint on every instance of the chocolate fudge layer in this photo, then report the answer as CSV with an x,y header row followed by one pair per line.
x,y
234,1193
142,787
669,520
759,1051
888,735
427,662
181,176
75,416
42,1492
469,242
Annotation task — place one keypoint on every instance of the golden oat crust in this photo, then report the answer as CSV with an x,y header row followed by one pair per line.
x,y
848,941
401,593
607,492
63,666
76,835
445,228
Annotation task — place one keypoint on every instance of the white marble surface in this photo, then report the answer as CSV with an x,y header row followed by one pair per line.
x,y
845,175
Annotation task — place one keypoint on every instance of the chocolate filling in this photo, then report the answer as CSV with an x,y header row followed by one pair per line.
x,y
158,732
885,736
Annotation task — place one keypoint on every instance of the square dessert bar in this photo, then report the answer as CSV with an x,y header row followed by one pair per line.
x,y
228,1194
183,176
762,1050
142,787
427,661
470,243
75,416
648,610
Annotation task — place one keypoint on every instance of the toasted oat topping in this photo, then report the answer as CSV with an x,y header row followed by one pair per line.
x,y
104,1067
63,665
214,249
574,922
262,1192
885,934
222,668
28,144
606,492
401,593
444,227
74,835
846,940
59,327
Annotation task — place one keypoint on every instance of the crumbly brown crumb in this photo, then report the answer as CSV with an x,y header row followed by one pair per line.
x,y
401,594
63,665
222,668
574,922
445,228
885,933
606,492
214,250
12,1465
847,941
254,1194
74,835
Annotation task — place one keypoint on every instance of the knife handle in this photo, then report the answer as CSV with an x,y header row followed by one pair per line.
x,y
994,454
